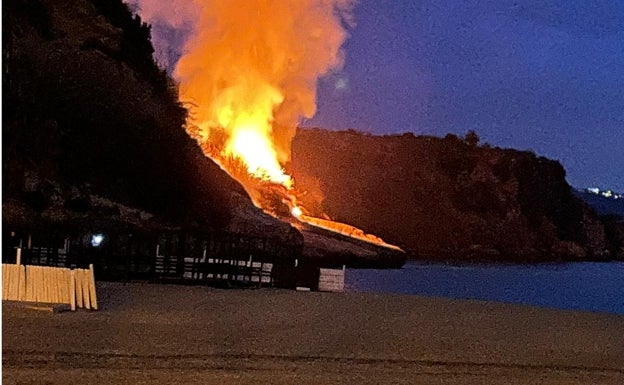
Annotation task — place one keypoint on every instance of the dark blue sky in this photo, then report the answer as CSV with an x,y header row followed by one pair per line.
x,y
541,75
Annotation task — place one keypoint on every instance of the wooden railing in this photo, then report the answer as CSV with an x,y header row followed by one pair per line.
x,y
176,256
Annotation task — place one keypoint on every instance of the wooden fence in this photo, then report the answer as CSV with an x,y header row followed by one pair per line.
x,y
44,284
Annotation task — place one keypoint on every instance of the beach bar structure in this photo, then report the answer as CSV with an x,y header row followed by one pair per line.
x,y
211,258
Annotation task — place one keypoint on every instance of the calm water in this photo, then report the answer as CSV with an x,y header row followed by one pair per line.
x,y
591,286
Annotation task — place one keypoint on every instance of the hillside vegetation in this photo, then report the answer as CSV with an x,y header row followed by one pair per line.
x,y
447,198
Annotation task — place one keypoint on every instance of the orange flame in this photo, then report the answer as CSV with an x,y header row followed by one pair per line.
x,y
250,71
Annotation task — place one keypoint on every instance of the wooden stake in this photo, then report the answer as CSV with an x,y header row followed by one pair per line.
x,y
13,282
5,278
27,273
62,285
19,282
45,284
24,282
30,282
72,291
37,282
8,281
68,288
40,284
18,256
54,284
92,292
78,283
85,289
30,279
45,273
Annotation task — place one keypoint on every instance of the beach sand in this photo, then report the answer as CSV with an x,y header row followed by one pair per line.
x,y
169,334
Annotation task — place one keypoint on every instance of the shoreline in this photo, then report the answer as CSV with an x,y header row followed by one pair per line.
x,y
191,334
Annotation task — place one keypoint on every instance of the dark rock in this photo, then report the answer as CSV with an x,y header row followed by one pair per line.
x,y
446,198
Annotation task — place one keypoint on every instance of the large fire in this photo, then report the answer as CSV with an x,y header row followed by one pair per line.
x,y
248,74
250,71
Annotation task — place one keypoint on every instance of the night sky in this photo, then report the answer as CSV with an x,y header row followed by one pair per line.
x,y
546,76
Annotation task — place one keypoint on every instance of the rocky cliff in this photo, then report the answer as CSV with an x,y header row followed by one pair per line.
x,y
446,198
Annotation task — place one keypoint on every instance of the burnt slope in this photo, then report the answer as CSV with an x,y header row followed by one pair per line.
x,y
446,197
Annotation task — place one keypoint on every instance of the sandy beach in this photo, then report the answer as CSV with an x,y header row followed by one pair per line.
x,y
168,334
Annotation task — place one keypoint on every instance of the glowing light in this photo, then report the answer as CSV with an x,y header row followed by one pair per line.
x,y
97,239
296,212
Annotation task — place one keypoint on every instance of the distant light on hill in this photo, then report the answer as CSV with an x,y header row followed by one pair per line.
x,y
605,202
605,193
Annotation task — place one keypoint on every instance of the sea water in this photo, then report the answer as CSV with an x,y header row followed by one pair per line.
x,y
588,286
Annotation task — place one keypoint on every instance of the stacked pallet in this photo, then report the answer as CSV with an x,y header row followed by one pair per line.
x,y
45,284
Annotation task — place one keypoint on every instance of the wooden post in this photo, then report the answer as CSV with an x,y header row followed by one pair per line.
x,y
41,282
56,298
85,289
5,280
45,297
28,283
78,286
10,281
50,275
38,283
72,291
16,282
24,282
33,282
261,274
18,256
66,285
61,285
92,288
42,287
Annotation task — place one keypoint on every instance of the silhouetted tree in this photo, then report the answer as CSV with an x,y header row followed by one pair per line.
x,y
472,138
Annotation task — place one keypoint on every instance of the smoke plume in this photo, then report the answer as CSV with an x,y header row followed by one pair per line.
x,y
248,68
